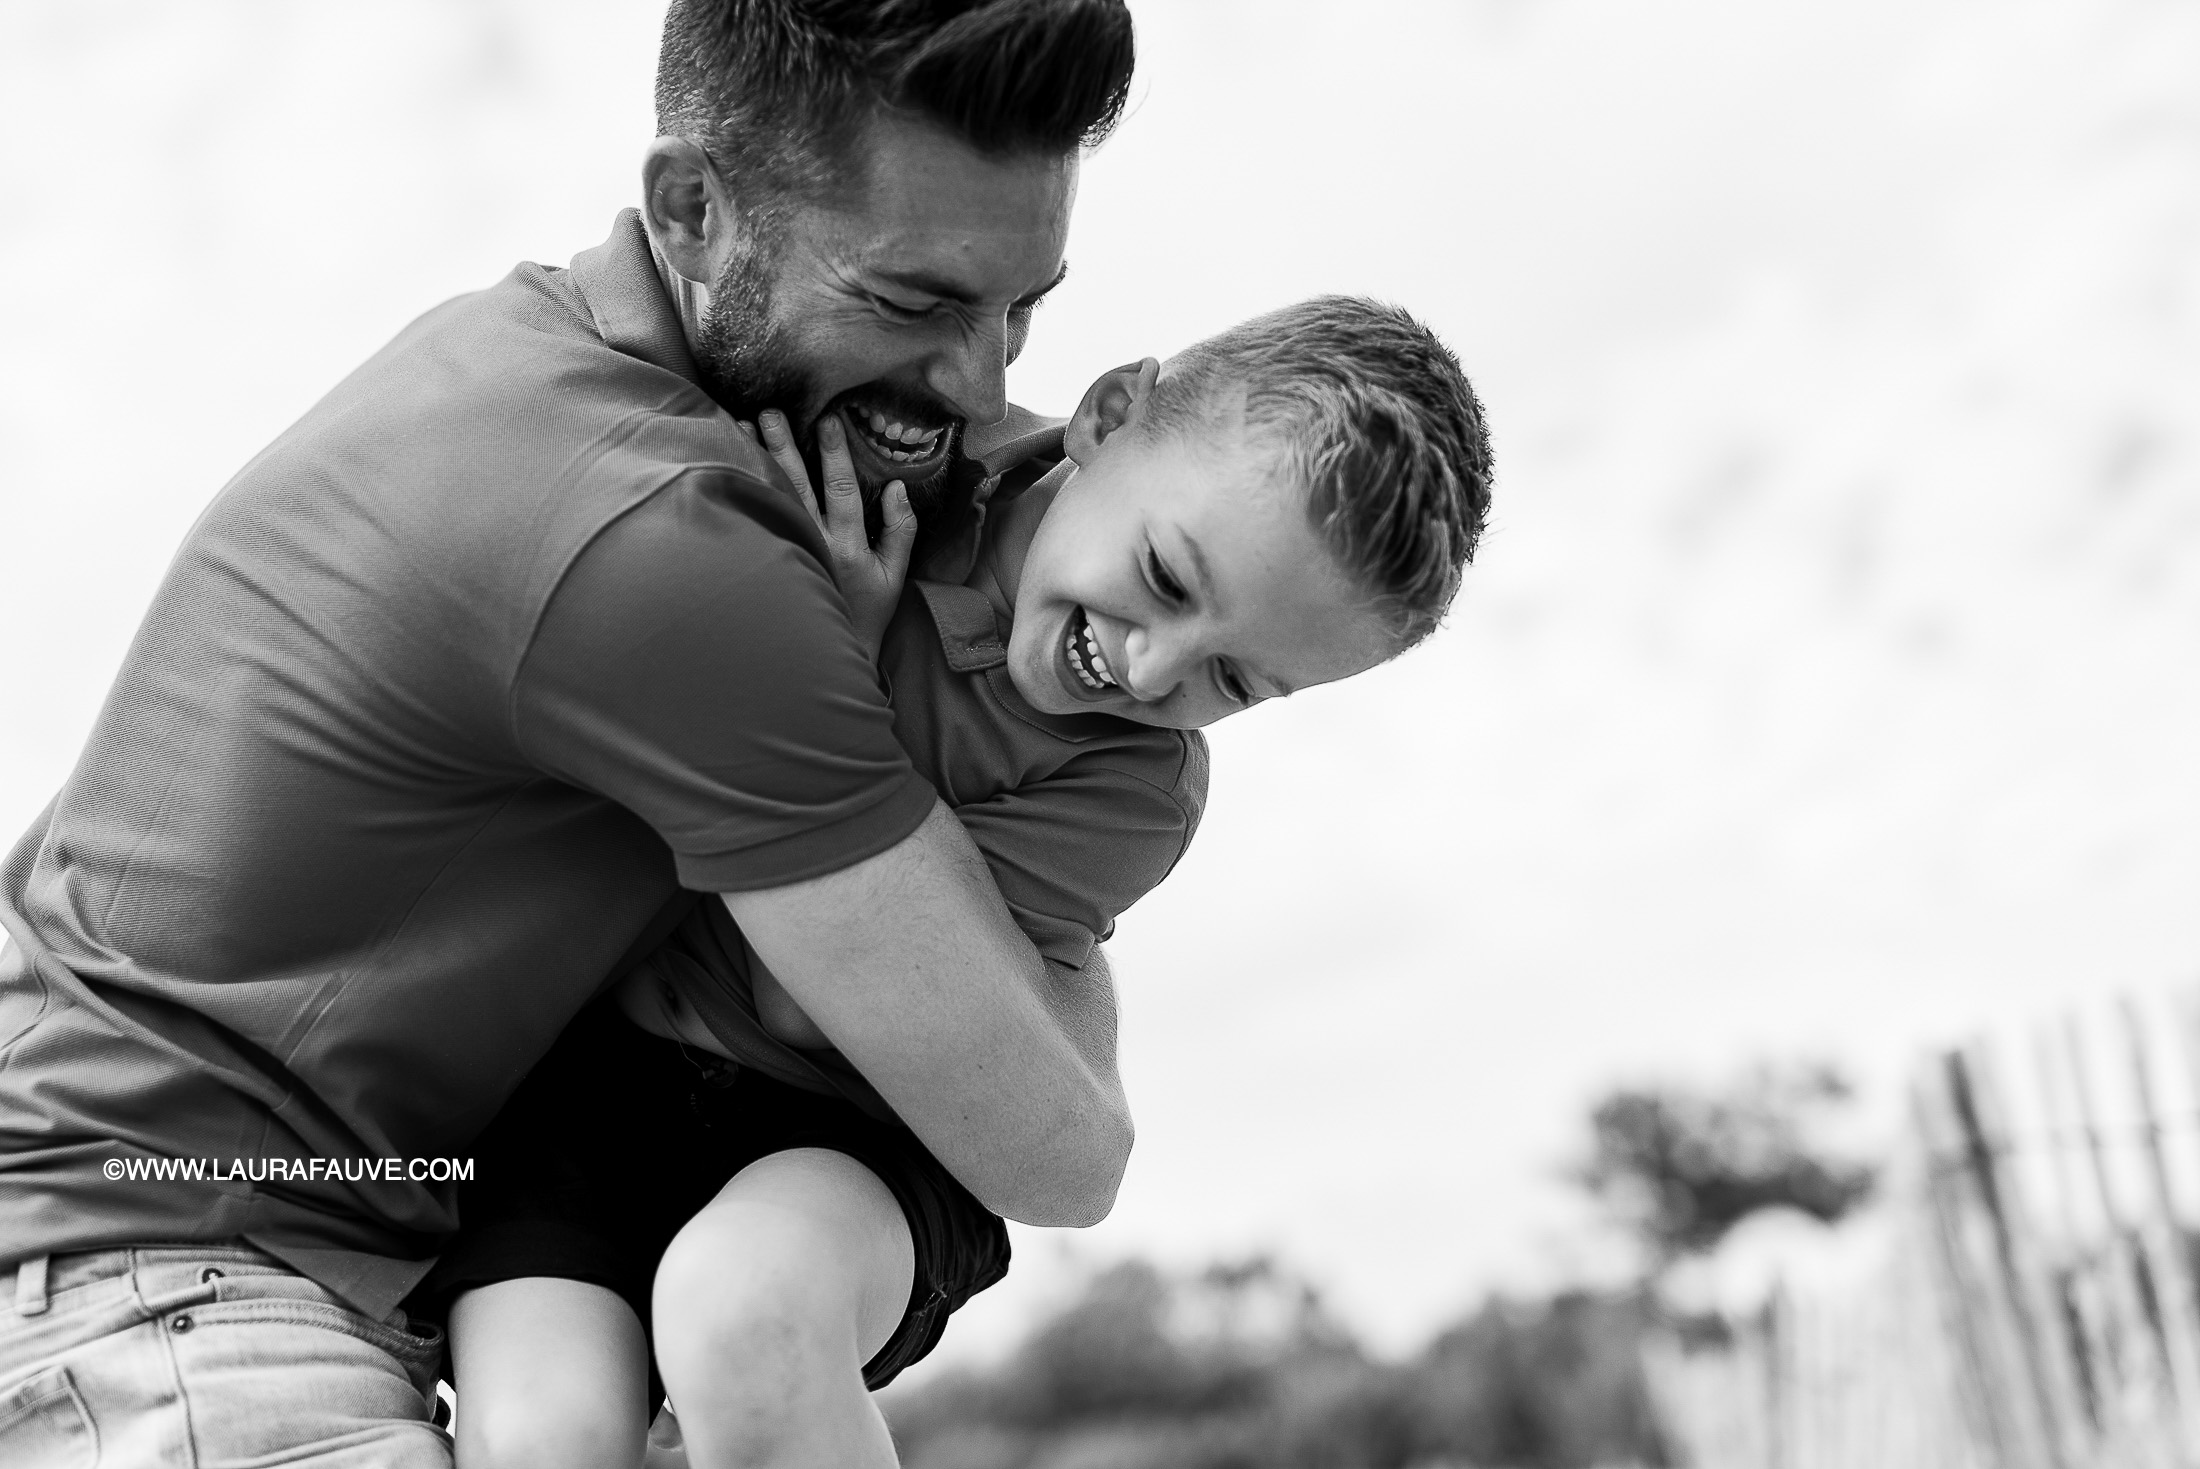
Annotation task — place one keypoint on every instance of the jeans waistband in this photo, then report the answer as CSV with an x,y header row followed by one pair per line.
x,y
31,1283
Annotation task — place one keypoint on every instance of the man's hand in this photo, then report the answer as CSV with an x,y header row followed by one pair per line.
x,y
869,577
911,964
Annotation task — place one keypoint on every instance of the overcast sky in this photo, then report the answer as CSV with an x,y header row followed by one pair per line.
x,y
1827,683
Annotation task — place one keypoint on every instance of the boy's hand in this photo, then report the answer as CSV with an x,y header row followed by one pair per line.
x,y
869,577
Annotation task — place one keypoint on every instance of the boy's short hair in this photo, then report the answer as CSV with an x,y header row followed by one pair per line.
x,y
777,91
1371,415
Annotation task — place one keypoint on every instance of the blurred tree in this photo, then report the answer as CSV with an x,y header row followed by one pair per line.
x,y
1681,1167
1113,1353
1556,1383
1239,1367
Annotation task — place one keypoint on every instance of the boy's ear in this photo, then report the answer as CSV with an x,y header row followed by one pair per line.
x,y
1115,400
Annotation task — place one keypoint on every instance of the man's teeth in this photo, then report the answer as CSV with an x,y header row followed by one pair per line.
x,y
892,431
1086,658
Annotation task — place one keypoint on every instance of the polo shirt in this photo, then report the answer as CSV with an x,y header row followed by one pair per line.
x,y
1078,816
446,695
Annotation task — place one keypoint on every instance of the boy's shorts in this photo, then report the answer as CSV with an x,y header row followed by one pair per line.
x,y
619,1137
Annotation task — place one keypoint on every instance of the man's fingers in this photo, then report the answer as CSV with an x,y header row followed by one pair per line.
x,y
898,533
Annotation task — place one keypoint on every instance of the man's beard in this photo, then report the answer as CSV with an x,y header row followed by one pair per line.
x,y
748,364
745,360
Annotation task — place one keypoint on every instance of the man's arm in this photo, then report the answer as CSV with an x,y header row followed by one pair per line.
x,y
1081,1001
695,664
1078,1093
911,964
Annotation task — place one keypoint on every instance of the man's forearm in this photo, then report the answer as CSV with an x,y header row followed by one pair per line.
x,y
913,967
1082,1002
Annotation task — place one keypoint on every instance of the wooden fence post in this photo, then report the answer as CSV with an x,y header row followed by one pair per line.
x,y
2165,1241
2093,1359
2142,1350
1980,1115
1986,1373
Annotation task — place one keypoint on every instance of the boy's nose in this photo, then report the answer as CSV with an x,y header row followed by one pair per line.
x,y
1154,664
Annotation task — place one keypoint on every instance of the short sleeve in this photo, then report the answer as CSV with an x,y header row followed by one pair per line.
x,y
695,664
1070,853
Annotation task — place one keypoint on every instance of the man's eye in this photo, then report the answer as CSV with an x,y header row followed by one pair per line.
x,y
895,311
1170,589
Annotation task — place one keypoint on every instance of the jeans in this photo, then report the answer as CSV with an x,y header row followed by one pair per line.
x,y
192,1357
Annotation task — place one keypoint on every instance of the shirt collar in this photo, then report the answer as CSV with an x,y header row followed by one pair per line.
x,y
1022,435
626,298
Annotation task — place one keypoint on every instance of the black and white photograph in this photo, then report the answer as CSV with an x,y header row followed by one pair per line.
x,y
634,832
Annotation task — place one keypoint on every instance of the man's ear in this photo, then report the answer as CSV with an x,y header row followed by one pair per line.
x,y
1114,401
686,209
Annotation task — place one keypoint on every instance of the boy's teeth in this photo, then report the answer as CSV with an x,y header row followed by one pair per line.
x,y
1085,656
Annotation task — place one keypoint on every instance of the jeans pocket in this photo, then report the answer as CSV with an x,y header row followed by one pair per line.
x,y
44,1424
410,1350
268,1374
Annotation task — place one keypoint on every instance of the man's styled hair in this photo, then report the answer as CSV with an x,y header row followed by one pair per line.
x,y
1370,414
777,91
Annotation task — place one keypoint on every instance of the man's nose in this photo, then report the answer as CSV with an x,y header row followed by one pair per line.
x,y
972,375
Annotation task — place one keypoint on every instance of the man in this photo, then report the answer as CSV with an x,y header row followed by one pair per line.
x,y
453,687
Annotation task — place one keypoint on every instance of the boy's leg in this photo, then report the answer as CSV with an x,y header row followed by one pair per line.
x,y
768,1305
549,1373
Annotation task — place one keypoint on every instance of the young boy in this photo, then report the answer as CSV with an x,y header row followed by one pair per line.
x,y
1285,504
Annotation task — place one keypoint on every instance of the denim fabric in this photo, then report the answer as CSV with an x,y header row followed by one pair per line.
x,y
202,1356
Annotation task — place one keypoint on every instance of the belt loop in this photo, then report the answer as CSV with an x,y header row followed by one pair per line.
x,y
30,1286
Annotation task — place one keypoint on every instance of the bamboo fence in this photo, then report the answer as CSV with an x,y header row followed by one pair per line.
x,y
2044,1312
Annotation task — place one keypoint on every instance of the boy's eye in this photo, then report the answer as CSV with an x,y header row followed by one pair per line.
x,y
1233,688
1166,586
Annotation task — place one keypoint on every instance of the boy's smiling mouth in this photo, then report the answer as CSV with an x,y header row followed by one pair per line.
x,y
1088,665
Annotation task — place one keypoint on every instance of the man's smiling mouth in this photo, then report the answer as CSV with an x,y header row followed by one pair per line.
x,y
895,442
1086,660
903,442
